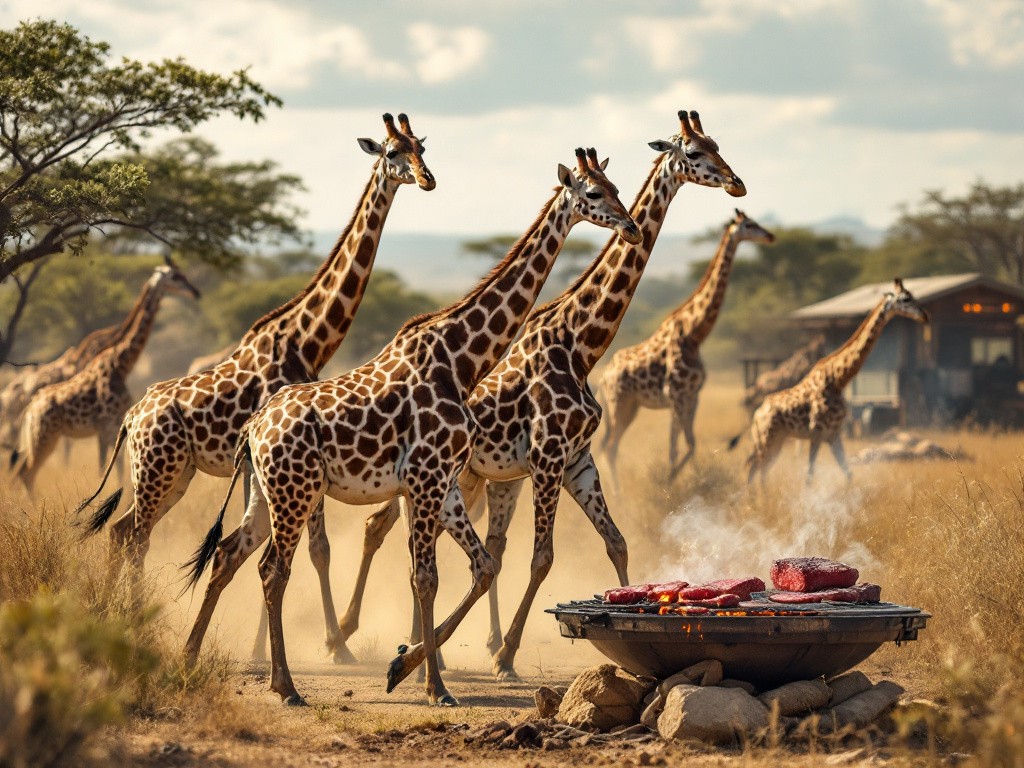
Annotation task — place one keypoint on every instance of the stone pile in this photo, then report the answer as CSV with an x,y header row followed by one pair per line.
x,y
699,703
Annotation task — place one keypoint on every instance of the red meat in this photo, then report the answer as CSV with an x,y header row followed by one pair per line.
x,y
811,574
719,601
627,595
862,593
666,592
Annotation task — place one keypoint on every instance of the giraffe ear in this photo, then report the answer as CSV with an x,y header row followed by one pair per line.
x,y
565,176
604,163
661,146
370,146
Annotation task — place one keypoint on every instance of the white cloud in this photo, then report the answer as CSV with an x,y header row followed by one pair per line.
x,y
445,54
990,33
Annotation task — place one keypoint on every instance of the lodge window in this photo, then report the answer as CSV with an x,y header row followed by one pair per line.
x,y
985,350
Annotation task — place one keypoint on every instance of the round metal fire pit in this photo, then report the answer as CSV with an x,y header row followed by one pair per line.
x,y
801,643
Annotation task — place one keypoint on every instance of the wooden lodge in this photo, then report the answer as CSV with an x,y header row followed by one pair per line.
x,y
967,363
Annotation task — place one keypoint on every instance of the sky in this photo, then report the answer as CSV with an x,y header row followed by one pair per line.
x,y
825,108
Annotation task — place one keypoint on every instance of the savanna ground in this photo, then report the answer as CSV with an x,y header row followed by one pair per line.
x,y
945,536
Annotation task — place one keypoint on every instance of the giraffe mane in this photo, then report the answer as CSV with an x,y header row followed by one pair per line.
x,y
324,267
487,279
584,276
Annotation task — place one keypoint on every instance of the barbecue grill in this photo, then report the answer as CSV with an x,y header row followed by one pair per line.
x,y
765,643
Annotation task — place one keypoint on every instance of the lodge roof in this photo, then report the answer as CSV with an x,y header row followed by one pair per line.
x,y
861,300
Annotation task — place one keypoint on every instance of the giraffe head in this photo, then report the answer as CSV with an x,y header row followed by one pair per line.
x,y
594,198
693,156
900,302
401,154
748,229
173,279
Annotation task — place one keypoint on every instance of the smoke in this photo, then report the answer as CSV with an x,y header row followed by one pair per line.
x,y
706,541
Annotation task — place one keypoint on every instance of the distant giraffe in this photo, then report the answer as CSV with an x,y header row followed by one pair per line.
x,y
193,423
535,409
815,409
785,374
400,425
17,393
94,400
666,370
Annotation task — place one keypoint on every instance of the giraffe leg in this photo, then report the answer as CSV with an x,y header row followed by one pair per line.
x,y
320,554
623,410
583,482
378,525
43,444
501,504
275,568
840,456
233,550
684,415
545,501
132,530
456,522
812,456
416,631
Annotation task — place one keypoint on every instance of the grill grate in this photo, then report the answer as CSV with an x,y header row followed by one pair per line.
x,y
758,605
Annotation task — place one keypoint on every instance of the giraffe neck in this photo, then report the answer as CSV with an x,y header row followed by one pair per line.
x,y
696,317
315,322
126,351
594,305
89,347
843,364
479,328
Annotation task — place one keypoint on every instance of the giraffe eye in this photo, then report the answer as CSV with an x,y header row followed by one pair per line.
x,y
393,154
694,155
594,195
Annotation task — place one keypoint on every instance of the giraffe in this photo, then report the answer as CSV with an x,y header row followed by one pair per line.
x,y
94,400
666,370
535,410
785,374
16,395
192,423
203,362
399,425
815,409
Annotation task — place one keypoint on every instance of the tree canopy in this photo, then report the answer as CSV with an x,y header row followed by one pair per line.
x,y
75,155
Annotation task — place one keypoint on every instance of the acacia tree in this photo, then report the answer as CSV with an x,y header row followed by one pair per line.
x,y
985,227
71,160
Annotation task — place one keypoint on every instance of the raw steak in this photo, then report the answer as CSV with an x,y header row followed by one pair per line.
x,y
811,574
862,593
719,601
665,593
627,595
741,587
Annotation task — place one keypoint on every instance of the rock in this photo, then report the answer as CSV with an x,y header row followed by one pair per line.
x,y
861,710
707,672
523,735
603,697
845,686
798,697
547,700
651,712
743,685
711,714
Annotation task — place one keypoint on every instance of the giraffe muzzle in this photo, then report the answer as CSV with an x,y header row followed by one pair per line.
x,y
735,187
631,233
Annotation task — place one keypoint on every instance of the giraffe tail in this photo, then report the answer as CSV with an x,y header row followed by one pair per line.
x,y
109,505
202,557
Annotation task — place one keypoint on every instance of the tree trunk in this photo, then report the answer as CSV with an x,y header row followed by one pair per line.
x,y
24,287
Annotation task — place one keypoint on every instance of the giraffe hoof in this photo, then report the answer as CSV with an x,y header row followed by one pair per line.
x,y
340,653
447,701
295,701
506,672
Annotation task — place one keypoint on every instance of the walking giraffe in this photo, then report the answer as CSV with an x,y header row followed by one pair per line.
x,y
815,409
399,425
666,370
16,395
193,423
535,410
94,400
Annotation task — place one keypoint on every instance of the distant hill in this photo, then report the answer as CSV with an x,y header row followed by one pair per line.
x,y
437,264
